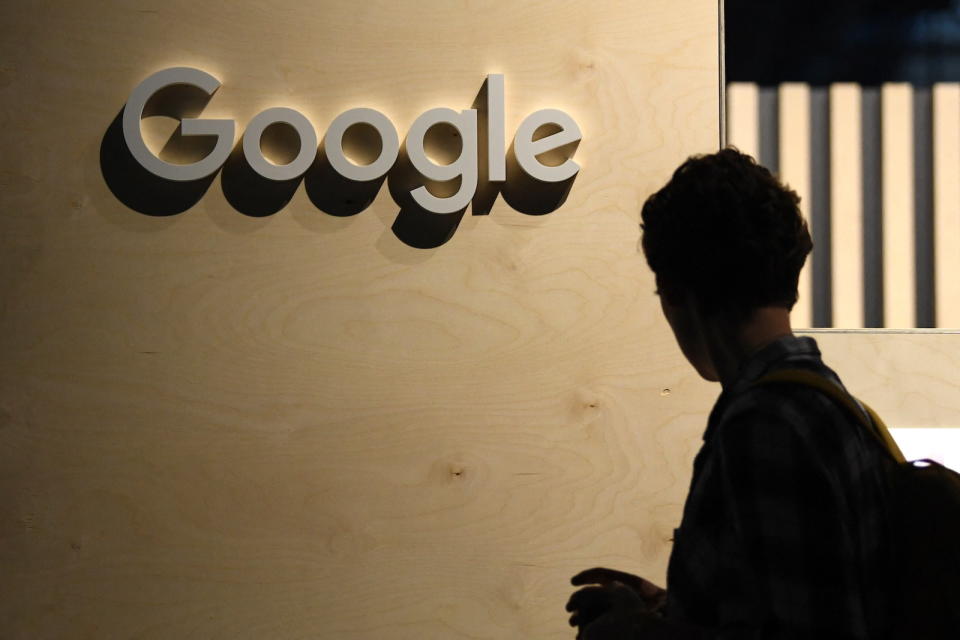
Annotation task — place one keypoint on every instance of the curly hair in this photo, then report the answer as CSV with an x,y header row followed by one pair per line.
x,y
726,230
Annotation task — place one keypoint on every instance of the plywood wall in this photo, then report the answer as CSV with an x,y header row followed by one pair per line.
x,y
214,425
909,377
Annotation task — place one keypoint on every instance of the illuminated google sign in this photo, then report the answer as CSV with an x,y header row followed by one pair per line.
x,y
528,148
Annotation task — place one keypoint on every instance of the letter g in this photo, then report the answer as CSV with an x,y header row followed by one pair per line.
x,y
222,129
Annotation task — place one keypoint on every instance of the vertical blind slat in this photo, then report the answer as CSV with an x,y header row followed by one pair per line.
x,y
769,115
795,172
846,206
820,213
743,129
878,171
872,168
923,205
946,203
898,206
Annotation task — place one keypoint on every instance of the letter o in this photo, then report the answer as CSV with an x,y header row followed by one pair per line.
x,y
255,157
333,144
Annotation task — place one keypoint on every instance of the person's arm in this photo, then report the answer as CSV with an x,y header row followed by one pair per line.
x,y
618,605
615,605
634,625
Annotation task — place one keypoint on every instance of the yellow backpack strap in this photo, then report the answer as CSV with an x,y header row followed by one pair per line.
x,y
864,414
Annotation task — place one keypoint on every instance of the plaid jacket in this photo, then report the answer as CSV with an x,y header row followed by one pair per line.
x,y
783,532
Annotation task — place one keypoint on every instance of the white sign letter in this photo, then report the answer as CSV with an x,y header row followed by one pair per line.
x,y
527,149
464,167
390,145
496,160
222,129
255,157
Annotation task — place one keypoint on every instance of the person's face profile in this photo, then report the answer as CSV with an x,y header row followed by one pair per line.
x,y
681,320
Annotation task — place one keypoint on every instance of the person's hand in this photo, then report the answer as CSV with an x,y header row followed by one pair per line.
x,y
612,602
609,612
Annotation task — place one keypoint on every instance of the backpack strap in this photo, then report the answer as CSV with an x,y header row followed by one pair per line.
x,y
863,413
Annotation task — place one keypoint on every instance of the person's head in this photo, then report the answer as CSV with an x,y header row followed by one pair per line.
x,y
724,239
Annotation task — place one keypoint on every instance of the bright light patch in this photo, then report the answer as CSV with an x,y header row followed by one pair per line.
x,y
942,445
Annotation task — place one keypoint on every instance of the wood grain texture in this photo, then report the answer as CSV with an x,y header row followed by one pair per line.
x,y
221,426
795,173
899,251
846,206
946,203
909,377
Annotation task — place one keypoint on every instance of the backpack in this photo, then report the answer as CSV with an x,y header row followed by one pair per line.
x,y
924,516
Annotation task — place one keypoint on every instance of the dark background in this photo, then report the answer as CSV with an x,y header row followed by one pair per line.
x,y
865,41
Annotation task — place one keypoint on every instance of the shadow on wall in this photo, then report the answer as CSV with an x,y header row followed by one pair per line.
x,y
414,226
141,190
252,194
136,187
336,195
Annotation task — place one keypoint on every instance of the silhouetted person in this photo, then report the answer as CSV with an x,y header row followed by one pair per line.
x,y
783,533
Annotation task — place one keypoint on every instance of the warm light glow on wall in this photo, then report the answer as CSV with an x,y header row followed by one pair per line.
x,y
941,445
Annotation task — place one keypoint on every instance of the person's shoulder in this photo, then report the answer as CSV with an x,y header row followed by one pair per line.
x,y
770,415
788,403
